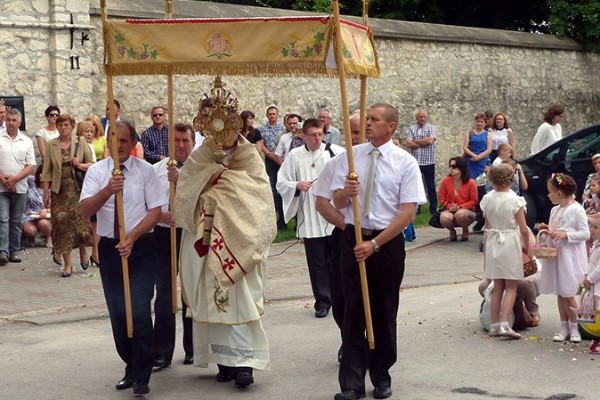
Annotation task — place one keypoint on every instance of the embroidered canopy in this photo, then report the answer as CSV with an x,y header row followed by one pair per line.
x,y
240,46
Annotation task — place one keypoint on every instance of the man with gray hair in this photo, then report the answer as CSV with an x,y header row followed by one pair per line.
x,y
421,144
332,135
17,162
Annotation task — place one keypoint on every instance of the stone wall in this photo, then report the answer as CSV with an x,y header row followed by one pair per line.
x,y
453,72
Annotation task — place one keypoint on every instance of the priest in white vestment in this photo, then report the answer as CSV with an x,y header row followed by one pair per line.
x,y
226,210
298,172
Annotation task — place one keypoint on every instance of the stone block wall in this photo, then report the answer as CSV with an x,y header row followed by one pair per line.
x,y
452,79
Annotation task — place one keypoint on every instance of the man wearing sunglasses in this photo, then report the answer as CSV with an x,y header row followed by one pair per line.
x,y
155,139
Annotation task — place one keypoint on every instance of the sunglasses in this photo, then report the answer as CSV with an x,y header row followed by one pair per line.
x,y
452,166
157,115
53,115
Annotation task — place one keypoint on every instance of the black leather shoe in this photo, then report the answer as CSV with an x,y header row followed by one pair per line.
x,y
321,313
140,388
189,359
340,355
244,379
382,392
161,362
124,383
14,258
349,395
225,374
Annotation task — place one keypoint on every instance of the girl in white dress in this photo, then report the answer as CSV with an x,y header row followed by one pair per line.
x,y
593,275
506,238
562,275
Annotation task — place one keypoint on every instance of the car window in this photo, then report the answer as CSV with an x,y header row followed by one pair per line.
x,y
583,147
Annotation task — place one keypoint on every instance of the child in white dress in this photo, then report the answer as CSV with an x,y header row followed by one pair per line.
x,y
506,238
562,275
593,275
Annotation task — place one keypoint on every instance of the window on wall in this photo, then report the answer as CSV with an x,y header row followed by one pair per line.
x,y
18,103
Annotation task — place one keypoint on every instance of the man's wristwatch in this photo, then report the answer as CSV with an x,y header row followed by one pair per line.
x,y
376,247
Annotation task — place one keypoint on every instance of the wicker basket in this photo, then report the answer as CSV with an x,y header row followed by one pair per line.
x,y
544,249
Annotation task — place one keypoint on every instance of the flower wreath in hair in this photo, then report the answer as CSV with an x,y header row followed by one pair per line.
x,y
559,179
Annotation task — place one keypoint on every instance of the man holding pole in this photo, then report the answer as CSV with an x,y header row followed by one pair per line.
x,y
388,191
142,200
164,318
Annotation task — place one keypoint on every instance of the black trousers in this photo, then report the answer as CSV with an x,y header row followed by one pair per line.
x,y
164,318
319,269
272,168
385,270
137,352
337,295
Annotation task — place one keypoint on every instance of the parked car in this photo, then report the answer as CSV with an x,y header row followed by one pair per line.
x,y
571,155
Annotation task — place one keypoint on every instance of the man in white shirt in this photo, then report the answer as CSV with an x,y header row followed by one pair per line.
x,y
17,162
164,318
395,192
142,202
290,139
332,134
299,170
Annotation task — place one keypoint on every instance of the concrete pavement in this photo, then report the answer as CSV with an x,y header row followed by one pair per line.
x,y
33,291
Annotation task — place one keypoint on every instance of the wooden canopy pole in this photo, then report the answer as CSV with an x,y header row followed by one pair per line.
x,y
363,85
172,162
119,195
352,174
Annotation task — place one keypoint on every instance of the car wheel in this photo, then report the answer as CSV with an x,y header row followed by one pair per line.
x,y
531,214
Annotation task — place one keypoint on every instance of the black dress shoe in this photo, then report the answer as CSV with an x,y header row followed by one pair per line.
x,y
340,355
225,374
382,392
14,258
124,383
349,395
321,313
140,388
161,362
189,359
244,378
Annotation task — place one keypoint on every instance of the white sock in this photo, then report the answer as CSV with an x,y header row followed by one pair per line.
x,y
574,328
495,325
504,324
564,327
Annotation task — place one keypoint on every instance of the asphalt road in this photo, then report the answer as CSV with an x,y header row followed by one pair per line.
x,y
443,353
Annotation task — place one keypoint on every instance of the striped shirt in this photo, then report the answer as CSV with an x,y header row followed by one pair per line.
x,y
423,155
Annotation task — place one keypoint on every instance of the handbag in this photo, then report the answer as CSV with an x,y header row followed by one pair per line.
x,y
78,174
434,221
529,265
586,312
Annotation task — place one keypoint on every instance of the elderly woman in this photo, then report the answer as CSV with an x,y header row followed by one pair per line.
x,y
477,147
550,130
99,140
458,195
70,229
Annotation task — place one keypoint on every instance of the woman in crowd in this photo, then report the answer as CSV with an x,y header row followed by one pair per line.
x,y
550,130
501,133
458,195
99,140
249,131
587,194
70,229
477,147
50,131
36,218
505,156
87,130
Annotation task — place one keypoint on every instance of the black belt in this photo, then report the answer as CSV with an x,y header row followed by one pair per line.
x,y
365,232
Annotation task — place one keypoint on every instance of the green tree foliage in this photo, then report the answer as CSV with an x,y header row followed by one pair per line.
x,y
579,19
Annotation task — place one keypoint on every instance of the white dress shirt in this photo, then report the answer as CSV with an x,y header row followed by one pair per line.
x,y
161,169
15,154
397,181
142,192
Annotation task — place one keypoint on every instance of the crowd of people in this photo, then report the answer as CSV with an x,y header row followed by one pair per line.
x,y
267,176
